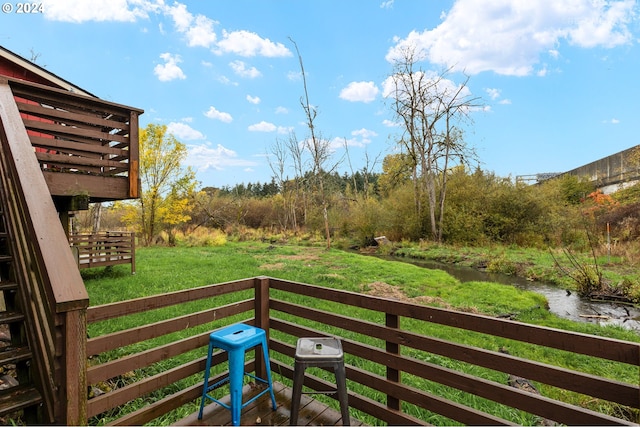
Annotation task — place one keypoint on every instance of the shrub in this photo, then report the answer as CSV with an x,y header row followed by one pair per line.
x,y
201,236
502,265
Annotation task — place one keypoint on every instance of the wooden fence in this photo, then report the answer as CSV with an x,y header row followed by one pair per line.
x,y
104,249
412,365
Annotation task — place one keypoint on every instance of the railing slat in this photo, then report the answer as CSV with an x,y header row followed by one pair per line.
x,y
125,364
141,333
130,392
38,110
123,308
73,147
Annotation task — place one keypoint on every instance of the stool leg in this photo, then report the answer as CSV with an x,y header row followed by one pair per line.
x,y
298,380
267,365
343,397
236,377
206,380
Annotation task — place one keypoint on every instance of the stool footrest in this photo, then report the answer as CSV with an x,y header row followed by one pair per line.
x,y
226,379
266,390
216,385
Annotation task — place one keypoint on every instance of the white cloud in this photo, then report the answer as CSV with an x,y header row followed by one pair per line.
x,y
294,76
247,44
213,113
204,157
253,99
505,102
542,71
282,110
183,131
390,123
400,85
170,69
198,31
603,24
240,68
270,127
96,10
612,121
508,37
182,18
201,33
365,134
263,127
493,93
361,138
387,4
285,130
227,81
359,92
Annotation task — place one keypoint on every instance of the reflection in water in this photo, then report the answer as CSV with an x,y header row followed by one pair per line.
x,y
561,303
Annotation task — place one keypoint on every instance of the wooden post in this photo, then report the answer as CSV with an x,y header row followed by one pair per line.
x,y
75,398
134,156
133,252
393,321
261,316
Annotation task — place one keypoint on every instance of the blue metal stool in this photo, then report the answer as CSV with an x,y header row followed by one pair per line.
x,y
236,340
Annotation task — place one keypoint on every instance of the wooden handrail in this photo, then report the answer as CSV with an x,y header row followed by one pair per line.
x,y
392,342
55,298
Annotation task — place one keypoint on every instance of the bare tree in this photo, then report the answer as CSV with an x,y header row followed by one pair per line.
x,y
292,191
319,150
421,101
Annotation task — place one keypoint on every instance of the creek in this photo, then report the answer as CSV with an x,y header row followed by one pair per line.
x,y
562,303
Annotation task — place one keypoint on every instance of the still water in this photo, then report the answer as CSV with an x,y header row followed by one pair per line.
x,y
562,303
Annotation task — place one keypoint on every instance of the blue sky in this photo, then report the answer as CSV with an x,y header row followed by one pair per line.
x,y
558,79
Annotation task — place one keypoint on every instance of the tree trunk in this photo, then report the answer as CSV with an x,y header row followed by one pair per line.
x,y
96,211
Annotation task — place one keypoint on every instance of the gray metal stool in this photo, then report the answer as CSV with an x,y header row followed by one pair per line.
x,y
323,353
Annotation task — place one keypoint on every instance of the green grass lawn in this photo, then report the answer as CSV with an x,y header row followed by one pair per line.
x,y
167,269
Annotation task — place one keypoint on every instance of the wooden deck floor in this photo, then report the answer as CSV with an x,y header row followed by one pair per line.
x,y
312,412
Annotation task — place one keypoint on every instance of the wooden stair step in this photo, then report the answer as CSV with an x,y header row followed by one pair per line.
x,y
14,354
8,286
11,317
17,398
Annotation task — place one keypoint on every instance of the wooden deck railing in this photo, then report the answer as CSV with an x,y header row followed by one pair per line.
x,y
85,146
411,365
53,296
105,249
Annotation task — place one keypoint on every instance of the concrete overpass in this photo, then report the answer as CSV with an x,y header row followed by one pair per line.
x,y
610,174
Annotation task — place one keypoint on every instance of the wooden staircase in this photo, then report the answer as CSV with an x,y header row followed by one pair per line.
x,y
43,300
20,400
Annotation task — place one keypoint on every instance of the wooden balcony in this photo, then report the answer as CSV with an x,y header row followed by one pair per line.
x,y
411,365
85,146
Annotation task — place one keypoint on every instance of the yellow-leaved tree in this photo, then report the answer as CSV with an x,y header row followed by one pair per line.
x,y
166,185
